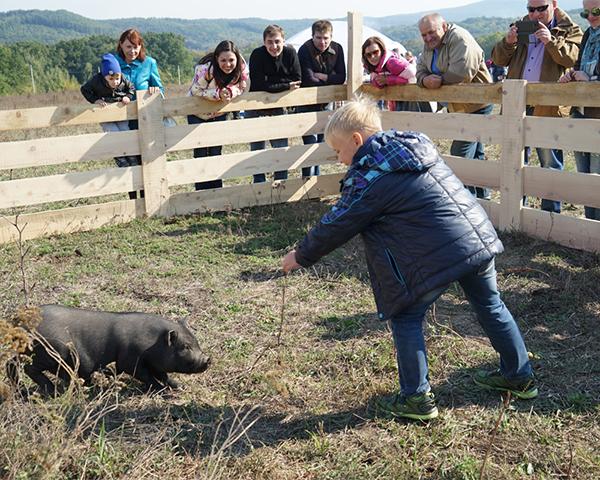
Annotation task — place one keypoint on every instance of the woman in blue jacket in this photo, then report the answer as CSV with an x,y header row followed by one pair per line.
x,y
142,71
138,67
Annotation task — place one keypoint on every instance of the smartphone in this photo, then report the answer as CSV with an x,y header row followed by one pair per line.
x,y
524,29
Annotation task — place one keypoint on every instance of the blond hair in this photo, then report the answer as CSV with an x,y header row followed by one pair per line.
x,y
358,115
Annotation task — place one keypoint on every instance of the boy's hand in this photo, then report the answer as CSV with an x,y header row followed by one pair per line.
x,y
295,85
125,100
288,263
101,103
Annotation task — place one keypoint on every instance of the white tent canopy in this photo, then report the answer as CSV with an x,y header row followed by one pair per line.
x,y
340,35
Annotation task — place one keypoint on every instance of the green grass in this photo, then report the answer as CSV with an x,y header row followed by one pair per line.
x,y
305,408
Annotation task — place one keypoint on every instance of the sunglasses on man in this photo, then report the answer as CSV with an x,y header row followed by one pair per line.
x,y
595,12
540,9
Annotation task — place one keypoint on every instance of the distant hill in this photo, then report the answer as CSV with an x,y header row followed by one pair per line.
x,y
51,26
58,50
484,8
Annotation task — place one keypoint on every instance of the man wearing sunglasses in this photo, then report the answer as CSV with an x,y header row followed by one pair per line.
x,y
551,49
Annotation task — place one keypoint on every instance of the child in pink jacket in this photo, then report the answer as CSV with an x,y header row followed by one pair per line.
x,y
386,68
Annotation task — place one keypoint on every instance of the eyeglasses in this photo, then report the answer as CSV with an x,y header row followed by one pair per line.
x,y
540,9
594,12
374,53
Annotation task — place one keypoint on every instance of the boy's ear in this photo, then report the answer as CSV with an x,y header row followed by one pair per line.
x,y
357,138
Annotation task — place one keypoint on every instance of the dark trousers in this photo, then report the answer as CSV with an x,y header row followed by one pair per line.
x,y
261,145
203,152
475,150
549,158
313,138
135,160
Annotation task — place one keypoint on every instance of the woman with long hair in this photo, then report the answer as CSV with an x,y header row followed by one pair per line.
x,y
219,76
385,67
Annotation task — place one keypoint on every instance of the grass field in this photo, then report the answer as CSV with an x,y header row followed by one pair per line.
x,y
304,408
298,362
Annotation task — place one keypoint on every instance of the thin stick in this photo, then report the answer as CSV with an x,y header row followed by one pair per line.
x,y
570,469
505,404
282,320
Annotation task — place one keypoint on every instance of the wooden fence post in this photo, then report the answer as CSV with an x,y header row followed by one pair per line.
x,y
514,103
154,158
355,68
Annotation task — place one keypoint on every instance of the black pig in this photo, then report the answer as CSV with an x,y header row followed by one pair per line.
x,y
143,345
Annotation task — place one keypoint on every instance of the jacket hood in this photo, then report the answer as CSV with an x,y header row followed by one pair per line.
x,y
393,151
385,56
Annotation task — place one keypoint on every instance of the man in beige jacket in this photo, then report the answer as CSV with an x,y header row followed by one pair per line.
x,y
544,58
451,55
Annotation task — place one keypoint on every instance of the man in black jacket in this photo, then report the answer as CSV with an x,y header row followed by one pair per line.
x,y
322,62
274,68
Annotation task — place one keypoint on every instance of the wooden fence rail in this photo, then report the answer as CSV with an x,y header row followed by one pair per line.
x,y
511,129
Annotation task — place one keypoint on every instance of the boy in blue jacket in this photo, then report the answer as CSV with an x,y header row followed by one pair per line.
x,y
422,230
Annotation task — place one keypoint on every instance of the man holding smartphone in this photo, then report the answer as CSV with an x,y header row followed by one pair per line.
x,y
550,50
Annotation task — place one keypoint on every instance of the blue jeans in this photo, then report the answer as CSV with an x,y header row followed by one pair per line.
x,y
475,150
202,152
275,143
312,138
589,163
549,158
497,322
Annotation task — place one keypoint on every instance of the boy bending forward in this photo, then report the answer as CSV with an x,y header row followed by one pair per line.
x,y
422,230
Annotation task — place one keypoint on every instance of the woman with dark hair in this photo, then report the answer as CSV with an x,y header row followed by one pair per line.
x,y
385,68
220,76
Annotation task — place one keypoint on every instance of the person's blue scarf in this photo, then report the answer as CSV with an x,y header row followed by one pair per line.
x,y
591,52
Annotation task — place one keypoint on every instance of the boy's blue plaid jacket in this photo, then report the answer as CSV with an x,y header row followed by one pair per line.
x,y
421,228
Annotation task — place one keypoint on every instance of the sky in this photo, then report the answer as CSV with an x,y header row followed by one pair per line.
x,y
268,9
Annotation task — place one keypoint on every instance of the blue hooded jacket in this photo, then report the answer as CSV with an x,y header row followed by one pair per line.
x,y
142,74
422,229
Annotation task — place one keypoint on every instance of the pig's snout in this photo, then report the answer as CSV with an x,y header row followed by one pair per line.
x,y
204,363
196,364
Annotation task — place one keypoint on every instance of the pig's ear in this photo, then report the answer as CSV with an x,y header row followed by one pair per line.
x,y
184,323
171,337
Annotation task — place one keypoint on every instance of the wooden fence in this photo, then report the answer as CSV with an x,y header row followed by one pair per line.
x,y
511,130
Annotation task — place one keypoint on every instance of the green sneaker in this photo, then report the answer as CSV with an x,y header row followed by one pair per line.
x,y
494,380
416,407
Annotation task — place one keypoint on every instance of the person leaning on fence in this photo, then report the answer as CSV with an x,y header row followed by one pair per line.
x,y
587,69
110,86
544,57
385,67
322,63
396,192
274,67
219,76
141,70
451,55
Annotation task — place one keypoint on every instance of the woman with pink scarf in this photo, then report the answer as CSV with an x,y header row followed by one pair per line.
x,y
386,68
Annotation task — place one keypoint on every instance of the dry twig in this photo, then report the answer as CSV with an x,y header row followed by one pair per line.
x,y
503,408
